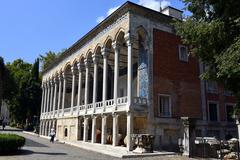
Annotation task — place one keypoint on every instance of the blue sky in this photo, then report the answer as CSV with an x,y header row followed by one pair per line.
x,y
32,27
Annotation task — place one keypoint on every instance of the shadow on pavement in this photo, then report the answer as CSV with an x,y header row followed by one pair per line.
x,y
10,130
27,152
31,143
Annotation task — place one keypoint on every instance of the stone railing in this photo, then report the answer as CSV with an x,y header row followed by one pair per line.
x,y
100,107
139,101
121,100
109,103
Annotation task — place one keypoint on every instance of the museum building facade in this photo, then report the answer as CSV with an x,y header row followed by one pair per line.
x,y
131,74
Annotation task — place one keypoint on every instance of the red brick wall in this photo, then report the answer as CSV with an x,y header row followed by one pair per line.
x,y
174,77
221,99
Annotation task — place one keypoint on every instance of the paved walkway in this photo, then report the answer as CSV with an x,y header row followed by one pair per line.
x,y
37,148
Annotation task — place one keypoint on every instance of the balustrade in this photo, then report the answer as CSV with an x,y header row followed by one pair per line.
x,y
77,110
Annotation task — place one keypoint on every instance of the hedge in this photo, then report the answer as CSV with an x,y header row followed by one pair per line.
x,y
11,143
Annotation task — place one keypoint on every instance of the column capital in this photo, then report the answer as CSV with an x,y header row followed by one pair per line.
x,y
55,79
93,116
63,75
129,39
116,45
96,58
87,63
103,115
115,115
60,77
105,52
74,70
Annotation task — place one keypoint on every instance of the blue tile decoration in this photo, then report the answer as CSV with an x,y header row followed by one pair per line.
x,y
143,72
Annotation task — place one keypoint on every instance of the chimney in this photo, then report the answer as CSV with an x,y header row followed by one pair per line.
x,y
173,12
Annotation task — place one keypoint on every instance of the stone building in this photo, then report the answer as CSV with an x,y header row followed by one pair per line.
x,y
130,75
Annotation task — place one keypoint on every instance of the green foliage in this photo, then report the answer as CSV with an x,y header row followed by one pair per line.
x,y
213,34
10,143
24,99
49,58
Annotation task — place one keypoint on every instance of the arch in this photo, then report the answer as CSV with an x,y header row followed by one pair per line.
x,y
119,34
74,62
98,46
141,33
66,66
89,54
107,41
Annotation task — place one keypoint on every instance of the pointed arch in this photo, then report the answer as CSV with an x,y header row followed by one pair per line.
x,y
119,34
108,40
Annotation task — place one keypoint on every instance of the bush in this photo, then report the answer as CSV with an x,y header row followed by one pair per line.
x,y
11,143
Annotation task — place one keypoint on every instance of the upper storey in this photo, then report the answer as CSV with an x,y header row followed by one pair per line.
x,y
125,20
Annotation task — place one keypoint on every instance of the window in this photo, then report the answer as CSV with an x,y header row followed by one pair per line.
x,y
212,112
164,106
228,93
212,87
183,53
229,112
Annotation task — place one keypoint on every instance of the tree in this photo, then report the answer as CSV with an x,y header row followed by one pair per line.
x,y
213,34
49,58
25,101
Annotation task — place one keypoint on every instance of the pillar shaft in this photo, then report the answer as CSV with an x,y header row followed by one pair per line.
x,y
94,129
59,93
79,84
129,130
51,97
86,84
95,79
116,72
115,130
45,98
73,88
42,102
104,129
105,75
48,97
55,96
85,131
130,71
64,93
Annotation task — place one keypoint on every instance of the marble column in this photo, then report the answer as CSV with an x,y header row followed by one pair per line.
x,y
105,54
129,130
104,129
55,95
85,131
94,118
130,70
73,88
48,97
64,92
45,97
51,97
42,102
80,68
116,48
87,65
95,79
59,92
115,129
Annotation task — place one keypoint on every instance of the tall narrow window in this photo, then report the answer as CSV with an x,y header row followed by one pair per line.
x,y
212,87
183,53
213,112
164,106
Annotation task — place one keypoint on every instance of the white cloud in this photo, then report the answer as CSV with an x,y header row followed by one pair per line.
x,y
100,19
111,10
152,4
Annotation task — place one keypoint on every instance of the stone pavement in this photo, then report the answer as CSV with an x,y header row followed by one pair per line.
x,y
37,148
